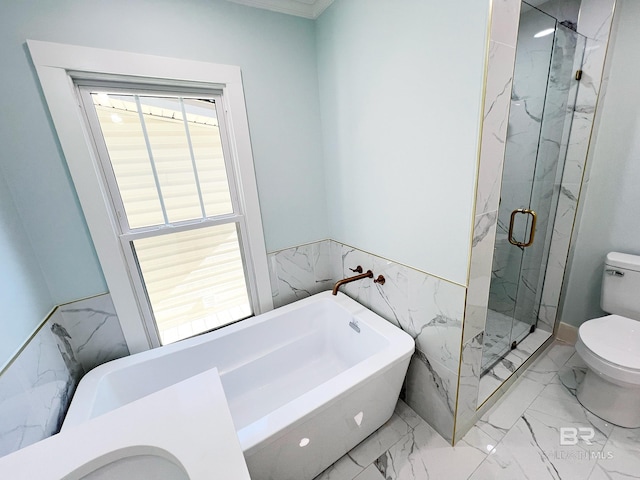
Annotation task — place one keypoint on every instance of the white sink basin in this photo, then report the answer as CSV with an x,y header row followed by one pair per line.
x,y
183,432
139,467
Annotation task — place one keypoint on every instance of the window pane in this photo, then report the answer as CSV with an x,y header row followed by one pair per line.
x,y
170,150
207,149
190,180
195,280
127,149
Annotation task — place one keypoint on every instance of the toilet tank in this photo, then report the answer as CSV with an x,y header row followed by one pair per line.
x,y
621,285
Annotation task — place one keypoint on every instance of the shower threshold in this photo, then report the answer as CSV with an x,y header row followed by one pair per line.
x,y
493,378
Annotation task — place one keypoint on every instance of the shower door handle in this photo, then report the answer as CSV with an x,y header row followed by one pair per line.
x,y
532,232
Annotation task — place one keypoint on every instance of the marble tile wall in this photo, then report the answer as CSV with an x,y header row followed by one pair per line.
x,y
595,22
36,388
92,330
430,309
566,11
300,272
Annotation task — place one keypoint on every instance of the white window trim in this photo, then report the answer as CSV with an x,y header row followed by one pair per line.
x,y
57,65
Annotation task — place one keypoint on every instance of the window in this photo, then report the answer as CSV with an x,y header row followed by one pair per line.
x,y
161,159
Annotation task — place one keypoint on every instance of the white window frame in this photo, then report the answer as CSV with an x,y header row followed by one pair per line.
x,y
58,67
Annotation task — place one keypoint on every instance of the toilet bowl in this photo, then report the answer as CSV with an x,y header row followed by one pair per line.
x,y
610,346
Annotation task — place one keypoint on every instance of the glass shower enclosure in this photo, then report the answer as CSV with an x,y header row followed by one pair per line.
x,y
548,60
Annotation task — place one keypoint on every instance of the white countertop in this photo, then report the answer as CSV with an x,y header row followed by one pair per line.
x,y
187,425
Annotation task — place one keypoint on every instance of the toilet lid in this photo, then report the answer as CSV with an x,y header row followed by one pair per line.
x,y
614,338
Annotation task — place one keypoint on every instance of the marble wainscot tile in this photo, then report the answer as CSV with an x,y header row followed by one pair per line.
x,y
35,392
390,300
431,393
15,408
468,384
360,290
424,454
505,20
300,272
92,329
484,237
434,320
494,127
323,269
335,261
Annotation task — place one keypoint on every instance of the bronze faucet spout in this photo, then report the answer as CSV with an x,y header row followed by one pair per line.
x,y
339,283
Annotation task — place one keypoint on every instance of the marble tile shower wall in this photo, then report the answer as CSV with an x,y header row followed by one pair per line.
x,y
428,308
35,390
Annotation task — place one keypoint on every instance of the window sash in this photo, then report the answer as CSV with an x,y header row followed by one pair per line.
x,y
137,280
84,91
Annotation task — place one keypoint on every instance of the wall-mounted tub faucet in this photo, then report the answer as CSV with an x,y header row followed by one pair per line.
x,y
367,274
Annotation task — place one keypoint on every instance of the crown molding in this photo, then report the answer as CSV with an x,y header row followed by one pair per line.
x,y
311,9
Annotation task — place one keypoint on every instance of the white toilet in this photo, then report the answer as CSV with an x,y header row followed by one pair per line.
x,y
610,346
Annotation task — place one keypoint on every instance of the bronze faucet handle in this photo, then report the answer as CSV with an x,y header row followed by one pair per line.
x,y
357,269
379,280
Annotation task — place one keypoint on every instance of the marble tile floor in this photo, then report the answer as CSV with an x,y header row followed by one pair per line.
x,y
518,438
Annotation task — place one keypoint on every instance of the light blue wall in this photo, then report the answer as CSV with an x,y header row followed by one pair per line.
x,y
277,56
400,90
610,220
24,295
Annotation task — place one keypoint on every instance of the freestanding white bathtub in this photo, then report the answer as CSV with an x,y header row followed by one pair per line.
x,y
305,383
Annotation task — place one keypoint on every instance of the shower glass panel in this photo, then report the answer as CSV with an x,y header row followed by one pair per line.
x,y
542,103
